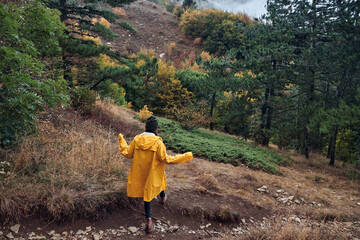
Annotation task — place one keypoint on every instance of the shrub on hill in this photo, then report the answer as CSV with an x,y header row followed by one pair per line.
x,y
219,30
128,26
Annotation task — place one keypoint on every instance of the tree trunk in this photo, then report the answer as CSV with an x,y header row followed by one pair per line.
x,y
213,102
310,93
266,116
332,147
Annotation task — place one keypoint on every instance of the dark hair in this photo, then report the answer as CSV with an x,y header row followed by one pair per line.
x,y
151,124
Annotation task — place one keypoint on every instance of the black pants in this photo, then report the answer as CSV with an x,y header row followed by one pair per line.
x,y
147,206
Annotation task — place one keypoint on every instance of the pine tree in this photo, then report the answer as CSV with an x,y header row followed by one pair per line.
x,y
86,22
189,4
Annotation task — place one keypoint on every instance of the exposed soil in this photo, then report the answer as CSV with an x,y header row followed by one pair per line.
x,y
156,29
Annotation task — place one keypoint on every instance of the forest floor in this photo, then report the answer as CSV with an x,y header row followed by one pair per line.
x,y
309,200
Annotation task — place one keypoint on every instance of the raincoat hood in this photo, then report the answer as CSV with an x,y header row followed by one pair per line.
x,y
147,142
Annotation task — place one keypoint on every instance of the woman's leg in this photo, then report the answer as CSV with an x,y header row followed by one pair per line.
x,y
163,197
162,194
147,206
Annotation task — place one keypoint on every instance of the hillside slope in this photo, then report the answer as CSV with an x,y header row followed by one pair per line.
x,y
156,28
206,199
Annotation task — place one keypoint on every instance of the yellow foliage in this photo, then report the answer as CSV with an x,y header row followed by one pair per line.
x,y
149,52
129,105
140,62
172,94
102,21
247,73
97,40
205,56
145,113
119,11
105,61
165,71
195,23
289,86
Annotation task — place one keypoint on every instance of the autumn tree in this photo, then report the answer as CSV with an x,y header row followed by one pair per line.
x,y
171,94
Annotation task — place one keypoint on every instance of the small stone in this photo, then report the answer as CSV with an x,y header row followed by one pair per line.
x,y
79,232
297,201
52,232
319,205
358,204
88,229
202,227
275,195
39,237
15,228
10,236
291,198
264,187
96,236
261,190
64,233
1,233
208,225
280,190
133,229
296,186
298,220
101,232
243,221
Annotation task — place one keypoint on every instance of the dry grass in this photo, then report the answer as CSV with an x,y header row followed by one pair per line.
x,y
290,230
70,161
119,118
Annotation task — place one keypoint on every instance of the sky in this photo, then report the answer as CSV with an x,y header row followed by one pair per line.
x,y
253,8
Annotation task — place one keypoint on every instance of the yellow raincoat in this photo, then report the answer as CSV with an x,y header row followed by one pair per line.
x,y
147,171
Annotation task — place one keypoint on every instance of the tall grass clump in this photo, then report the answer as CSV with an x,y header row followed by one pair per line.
x,y
71,167
217,147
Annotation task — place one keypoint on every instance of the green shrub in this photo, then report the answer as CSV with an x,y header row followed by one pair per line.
x,y
83,99
29,33
217,147
128,26
116,93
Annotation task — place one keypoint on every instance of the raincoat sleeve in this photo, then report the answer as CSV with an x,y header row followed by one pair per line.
x,y
177,159
125,149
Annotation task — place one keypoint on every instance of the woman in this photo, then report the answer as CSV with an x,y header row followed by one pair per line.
x,y
147,171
